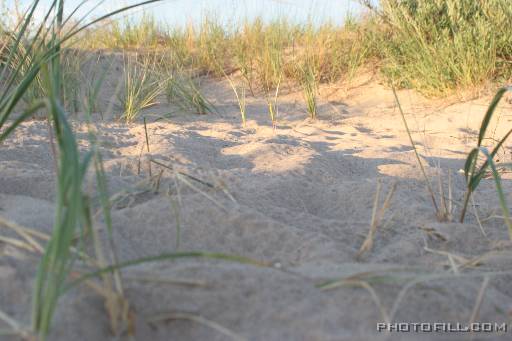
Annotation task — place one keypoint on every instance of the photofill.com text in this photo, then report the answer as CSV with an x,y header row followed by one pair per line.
x,y
427,327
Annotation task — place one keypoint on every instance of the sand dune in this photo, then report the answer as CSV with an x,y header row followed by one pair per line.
x,y
299,198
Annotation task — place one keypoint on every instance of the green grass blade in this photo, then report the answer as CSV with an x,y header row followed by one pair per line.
x,y
499,189
490,112
164,257
473,177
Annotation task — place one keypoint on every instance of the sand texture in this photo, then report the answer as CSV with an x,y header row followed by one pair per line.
x,y
299,199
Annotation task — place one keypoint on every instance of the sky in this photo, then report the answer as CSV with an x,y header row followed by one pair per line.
x,y
181,12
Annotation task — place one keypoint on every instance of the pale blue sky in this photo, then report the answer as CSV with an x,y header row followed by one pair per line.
x,y
180,12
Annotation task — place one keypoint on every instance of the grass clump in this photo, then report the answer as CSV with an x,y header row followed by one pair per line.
x,y
184,91
309,89
141,86
72,78
440,46
127,34
212,48
240,94
272,106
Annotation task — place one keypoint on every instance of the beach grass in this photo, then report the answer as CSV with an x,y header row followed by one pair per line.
x,y
141,85
475,169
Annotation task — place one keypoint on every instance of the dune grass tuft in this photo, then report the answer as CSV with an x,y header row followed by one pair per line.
x,y
183,90
141,85
309,88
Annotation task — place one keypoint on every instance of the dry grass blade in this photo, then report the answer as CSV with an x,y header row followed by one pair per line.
x,y
164,257
17,243
191,177
16,327
176,205
413,144
24,233
455,261
479,300
241,100
377,215
446,209
198,319
147,146
369,288
168,280
198,190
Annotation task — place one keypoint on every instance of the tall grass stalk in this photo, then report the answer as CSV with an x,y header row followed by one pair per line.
x,y
72,62
112,289
309,88
240,94
272,105
240,98
92,88
420,163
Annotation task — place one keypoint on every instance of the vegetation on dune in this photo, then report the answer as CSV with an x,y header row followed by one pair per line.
x,y
263,52
440,46
436,47
475,169
184,91
309,88
141,85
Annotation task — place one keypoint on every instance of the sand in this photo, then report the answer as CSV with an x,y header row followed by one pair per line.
x,y
299,198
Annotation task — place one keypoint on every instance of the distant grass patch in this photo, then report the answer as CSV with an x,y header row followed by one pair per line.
x,y
441,46
184,91
436,46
